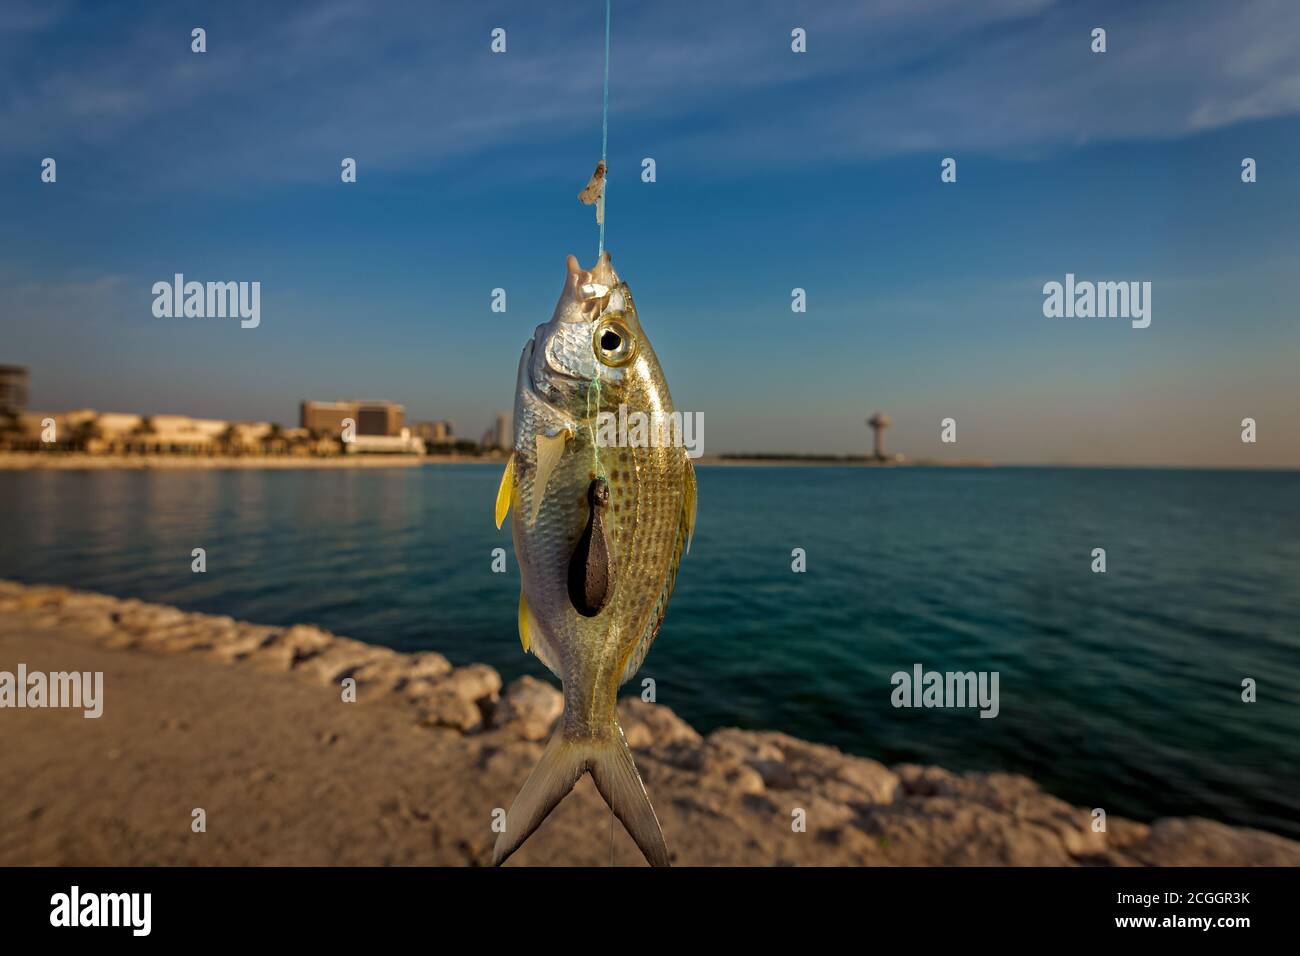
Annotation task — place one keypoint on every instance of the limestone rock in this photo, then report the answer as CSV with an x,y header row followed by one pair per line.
x,y
145,618
242,642
474,682
1193,841
458,699
444,707
787,763
426,664
529,707
944,831
43,597
395,671
719,771
345,658
291,646
920,781
647,725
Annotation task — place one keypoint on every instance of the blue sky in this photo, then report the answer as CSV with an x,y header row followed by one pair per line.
x,y
775,170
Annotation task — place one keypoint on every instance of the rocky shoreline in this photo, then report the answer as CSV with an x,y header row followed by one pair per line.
x,y
247,722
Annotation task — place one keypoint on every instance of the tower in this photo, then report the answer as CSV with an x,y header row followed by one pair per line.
x,y
879,422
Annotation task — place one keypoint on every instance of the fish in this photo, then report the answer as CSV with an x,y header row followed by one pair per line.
x,y
599,532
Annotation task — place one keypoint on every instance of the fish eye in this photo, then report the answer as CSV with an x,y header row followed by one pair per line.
x,y
614,344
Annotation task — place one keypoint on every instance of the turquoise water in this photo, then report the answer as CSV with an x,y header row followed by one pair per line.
x,y
1119,690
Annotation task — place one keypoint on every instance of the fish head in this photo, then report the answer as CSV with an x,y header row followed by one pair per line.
x,y
592,340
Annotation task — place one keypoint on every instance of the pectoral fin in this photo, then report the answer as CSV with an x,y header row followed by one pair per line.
x,y
549,450
505,491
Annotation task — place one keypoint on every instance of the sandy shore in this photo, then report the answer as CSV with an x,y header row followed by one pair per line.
x,y
247,722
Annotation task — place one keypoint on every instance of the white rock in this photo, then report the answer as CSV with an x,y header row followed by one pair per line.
x,y
530,708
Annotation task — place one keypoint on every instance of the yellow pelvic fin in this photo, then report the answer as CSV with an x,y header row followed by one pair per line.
x,y
506,490
689,503
549,450
524,617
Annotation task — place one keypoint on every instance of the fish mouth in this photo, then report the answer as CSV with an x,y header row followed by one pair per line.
x,y
585,294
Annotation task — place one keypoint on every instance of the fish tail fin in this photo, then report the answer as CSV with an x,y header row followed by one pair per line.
x,y
562,765
619,783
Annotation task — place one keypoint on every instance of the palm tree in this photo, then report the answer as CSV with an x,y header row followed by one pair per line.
x,y
274,441
9,426
87,431
142,430
229,439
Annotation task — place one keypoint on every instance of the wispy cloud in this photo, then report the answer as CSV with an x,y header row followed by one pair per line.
x,y
283,89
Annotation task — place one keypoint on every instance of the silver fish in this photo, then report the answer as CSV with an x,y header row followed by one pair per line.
x,y
599,532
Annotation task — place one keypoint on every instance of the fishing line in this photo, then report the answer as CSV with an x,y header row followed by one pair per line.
x,y
604,132
594,386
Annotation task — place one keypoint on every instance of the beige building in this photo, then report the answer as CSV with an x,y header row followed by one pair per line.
x,y
124,433
403,443
370,418
325,417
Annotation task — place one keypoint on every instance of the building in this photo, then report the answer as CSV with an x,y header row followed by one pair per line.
x,y
380,418
325,417
122,433
13,389
370,418
503,435
435,433
403,443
